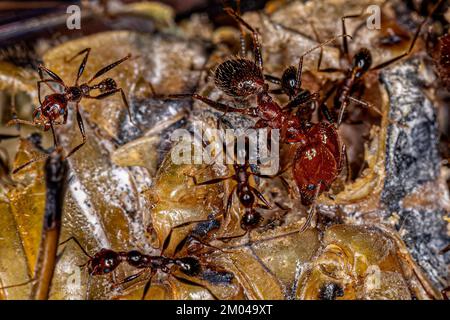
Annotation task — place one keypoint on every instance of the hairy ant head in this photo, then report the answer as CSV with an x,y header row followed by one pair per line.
x,y
289,81
239,77
107,84
189,266
250,219
105,261
362,62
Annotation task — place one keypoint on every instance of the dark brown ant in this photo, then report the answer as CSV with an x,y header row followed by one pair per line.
x,y
106,261
361,64
54,109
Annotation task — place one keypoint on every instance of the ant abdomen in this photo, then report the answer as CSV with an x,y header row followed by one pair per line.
x,y
362,62
239,78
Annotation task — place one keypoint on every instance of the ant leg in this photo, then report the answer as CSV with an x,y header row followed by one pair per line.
x,y
112,92
272,79
413,42
104,70
192,283
129,278
226,239
83,133
319,62
19,284
82,64
344,31
371,106
148,285
55,139
214,104
212,181
52,75
311,210
229,201
169,236
302,98
77,243
46,81
256,44
20,121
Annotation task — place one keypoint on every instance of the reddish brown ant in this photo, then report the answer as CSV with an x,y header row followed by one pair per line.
x,y
106,262
361,64
54,111
320,155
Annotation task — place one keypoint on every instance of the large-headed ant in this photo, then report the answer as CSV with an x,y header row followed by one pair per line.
x,y
53,110
361,64
319,157
106,261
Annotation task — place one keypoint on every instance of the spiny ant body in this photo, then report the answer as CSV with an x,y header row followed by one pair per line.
x,y
53,110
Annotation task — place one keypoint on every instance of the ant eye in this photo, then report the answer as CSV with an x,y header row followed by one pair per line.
x,y
106,270
311,187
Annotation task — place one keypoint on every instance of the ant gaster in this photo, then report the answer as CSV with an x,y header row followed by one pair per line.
x,y
54,109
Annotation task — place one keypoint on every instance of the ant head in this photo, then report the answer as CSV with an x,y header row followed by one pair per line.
x,y
289,81
53,106
239,78
105,261
107,84
247,198
250,219
189,266
362,62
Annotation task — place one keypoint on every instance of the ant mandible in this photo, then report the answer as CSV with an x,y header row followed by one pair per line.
x,y
106,262
53,110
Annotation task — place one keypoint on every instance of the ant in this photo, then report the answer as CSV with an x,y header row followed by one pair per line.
x,y
106,261
361,64
320,155
240,78
4,162
54,111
